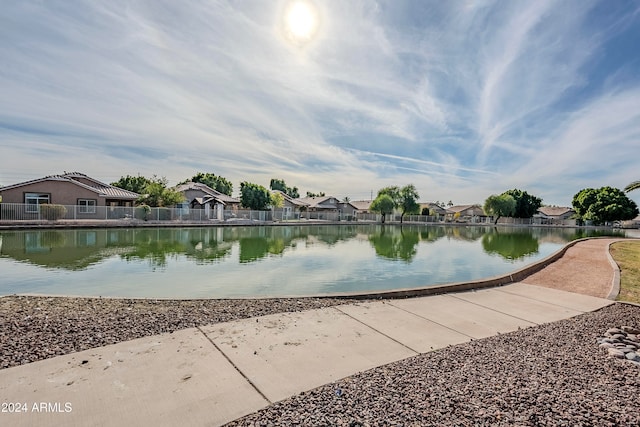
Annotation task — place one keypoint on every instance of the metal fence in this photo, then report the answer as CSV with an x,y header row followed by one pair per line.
x,y
12,212
44,212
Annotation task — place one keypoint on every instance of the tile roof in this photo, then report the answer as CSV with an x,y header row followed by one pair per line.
x,y
361,205
226,199
319,202
434,206
102,189
296,202
461,208
555,210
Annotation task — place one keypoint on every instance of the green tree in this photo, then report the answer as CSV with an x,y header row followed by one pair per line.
x,y
254,196
526,204
633,186
603,205
499,206
276,200
384,205
310,194
218,183
279,184
156,194
583,200
393,192
136,184
408,200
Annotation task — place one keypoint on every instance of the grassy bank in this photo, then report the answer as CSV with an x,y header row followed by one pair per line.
x,y
627,255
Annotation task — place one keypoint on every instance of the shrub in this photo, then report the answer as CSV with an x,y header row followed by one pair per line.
x,y
143,212
52,212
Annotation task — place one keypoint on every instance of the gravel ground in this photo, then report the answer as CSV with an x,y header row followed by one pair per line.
x,y
36,328
553,374
550,375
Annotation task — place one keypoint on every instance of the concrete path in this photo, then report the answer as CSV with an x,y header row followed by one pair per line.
x,y
212,375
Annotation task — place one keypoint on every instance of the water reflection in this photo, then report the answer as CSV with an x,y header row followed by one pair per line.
x,y
510,245
79,249
397,243
267,261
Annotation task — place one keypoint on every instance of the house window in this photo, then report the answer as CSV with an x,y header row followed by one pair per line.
x,y
86,206
33,200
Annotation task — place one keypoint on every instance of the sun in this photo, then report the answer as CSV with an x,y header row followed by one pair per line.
x,y
301,21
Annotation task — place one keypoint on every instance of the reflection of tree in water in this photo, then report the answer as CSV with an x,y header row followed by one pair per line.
x,y
431,234
397,243
257,243
253,248
159,244
470,234
510,245
263,241
79,248
332,235
154,246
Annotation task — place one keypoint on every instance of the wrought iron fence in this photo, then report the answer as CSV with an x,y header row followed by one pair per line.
x,y
10,212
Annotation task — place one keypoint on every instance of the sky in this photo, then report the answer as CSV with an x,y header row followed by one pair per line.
x,y
461,98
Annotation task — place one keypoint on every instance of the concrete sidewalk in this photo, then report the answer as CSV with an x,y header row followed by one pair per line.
x,y
211,375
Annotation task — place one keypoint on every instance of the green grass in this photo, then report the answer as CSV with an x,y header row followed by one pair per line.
x,y
627,255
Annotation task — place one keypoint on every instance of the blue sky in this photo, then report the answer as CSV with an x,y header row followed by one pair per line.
x,y
463,99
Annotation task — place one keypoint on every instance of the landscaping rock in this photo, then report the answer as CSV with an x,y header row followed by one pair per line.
x,y
614,352
532,377
547,375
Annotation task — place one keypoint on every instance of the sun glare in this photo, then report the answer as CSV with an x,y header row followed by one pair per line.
x,y
301,21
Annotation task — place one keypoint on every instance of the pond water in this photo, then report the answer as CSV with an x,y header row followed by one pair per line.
x,y
229,262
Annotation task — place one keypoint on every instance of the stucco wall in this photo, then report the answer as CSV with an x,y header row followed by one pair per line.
x,y
61,193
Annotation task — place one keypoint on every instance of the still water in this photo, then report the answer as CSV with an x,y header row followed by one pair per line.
x,y
227,262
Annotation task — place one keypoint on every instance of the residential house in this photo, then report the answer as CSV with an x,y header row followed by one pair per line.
x,y
361,206
433,209
464,213
201,196
633,223
291,207
554,215
328,207
70,189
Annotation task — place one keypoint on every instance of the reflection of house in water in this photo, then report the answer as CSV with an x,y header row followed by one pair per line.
x,y
79,249
68,249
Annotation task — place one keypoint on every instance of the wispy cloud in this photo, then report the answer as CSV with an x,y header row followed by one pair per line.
x,y
464,99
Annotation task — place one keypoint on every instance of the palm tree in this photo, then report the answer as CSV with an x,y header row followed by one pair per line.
x,y
633,186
